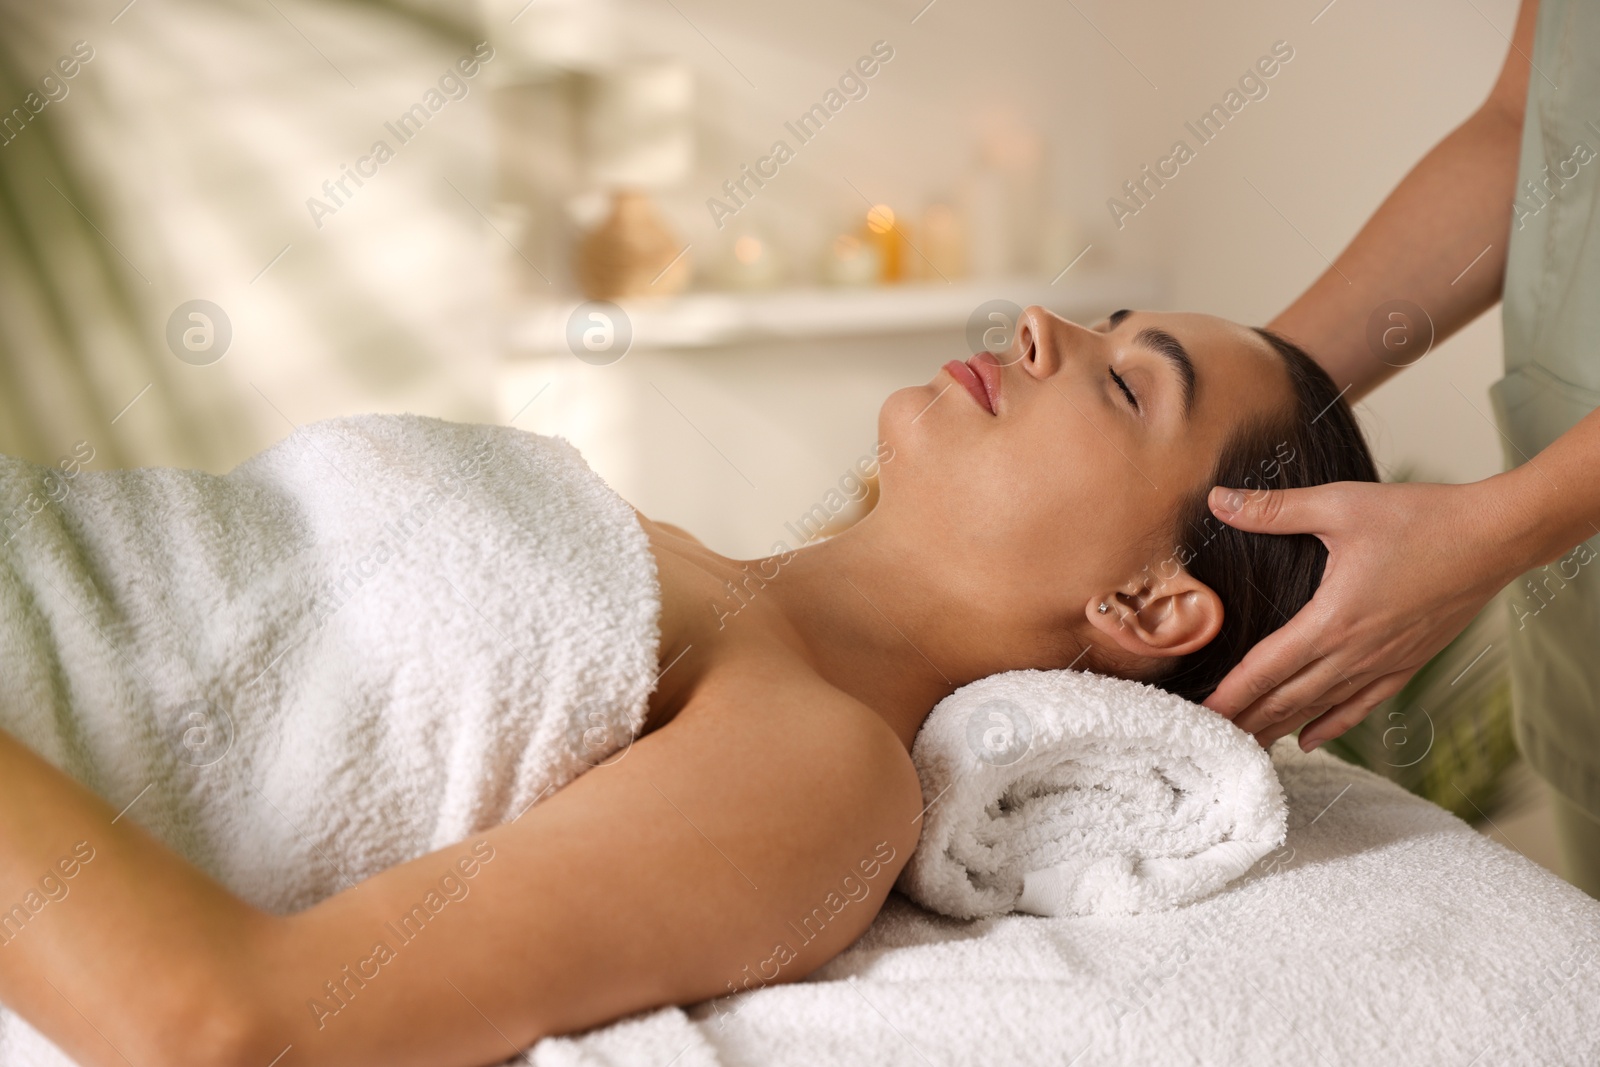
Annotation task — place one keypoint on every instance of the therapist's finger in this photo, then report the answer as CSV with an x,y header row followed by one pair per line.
x,y
1344,716
1288,726
1275,659
1319,684
1300,675
1258,681
1345,694
1312,509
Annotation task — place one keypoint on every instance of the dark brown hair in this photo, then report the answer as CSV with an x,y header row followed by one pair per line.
x,y
1264,579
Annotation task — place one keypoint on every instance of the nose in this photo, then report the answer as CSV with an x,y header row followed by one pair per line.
x,y
1039,341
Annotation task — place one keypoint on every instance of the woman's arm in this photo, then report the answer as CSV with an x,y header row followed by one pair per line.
x,y
110,944
1453,207
736,845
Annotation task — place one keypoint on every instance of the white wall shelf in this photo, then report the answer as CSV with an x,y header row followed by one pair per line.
x,y
733,413
716,319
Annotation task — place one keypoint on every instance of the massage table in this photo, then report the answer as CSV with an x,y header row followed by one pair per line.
x,y
1384,931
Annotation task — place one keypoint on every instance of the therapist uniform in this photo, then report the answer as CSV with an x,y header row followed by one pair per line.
x,y
1551,319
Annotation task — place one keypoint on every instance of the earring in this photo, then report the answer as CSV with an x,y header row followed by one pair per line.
x,y
1103,607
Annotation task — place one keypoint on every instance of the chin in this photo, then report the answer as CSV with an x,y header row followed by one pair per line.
x,y
928,446
910,414
898,422
895,426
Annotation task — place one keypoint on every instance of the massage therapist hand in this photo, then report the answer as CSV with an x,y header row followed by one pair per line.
x,y
1409,565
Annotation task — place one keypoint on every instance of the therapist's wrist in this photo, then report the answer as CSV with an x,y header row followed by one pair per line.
x,y
1528,518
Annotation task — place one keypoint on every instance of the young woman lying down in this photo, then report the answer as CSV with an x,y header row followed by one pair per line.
x,y
337,858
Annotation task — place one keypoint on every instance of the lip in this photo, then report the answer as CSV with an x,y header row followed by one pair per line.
x,y
987,367
980,377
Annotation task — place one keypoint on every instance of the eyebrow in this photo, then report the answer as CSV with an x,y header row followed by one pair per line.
x,y
1159,340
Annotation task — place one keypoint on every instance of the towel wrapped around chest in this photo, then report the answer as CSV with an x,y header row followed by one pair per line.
x,y
375,638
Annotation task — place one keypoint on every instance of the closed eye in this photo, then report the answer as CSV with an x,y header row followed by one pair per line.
x,y
1124,387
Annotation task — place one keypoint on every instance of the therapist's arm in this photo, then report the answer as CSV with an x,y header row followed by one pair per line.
x,y
1408,565
1420,245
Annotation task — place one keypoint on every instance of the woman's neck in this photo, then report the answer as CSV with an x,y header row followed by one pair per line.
x,y
874,626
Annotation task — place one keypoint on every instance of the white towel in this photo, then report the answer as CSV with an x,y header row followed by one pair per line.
x,y
370,641
1068,793
364,643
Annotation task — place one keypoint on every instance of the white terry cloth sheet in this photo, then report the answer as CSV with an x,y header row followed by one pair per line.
x,y
1384,931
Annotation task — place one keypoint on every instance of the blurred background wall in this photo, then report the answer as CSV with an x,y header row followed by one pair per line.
x,y
176,166
179,164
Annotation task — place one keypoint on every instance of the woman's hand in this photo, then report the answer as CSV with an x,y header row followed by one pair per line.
x,y
1409,565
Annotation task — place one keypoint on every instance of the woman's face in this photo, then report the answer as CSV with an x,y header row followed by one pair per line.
x,y
1066,493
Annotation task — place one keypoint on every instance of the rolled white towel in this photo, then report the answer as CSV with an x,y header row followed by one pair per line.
x,y
1068,793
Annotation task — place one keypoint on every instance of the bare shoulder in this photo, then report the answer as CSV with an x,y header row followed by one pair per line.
x,y
814,790
817,752
655,525
744,843
770,819
777,701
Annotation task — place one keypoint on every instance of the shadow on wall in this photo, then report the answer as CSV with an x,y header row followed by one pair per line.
x,y
162,180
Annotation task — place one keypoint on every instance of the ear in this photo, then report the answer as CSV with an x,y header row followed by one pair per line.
x,y
1159,617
